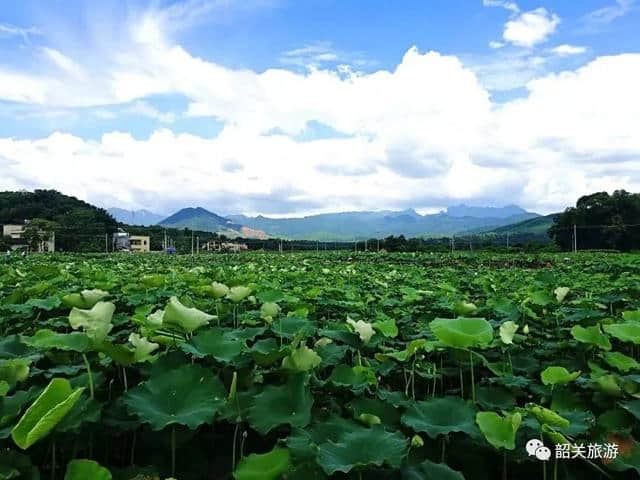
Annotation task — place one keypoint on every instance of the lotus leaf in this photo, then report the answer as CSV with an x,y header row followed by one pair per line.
x,y
557,376
362,328
361,447
85,299
627,332
219,290
239,293
301,359
85,470
462,332
561,293
499,431
95,322
221,344
620,361
591,335
189,395
143,347
288,404
187,319
45,413
46,339
266,466
507,330
441,416
429,470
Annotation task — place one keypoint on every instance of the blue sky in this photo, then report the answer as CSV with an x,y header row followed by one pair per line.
x,y
289,107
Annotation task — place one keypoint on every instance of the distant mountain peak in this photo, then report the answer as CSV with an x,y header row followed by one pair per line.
x,y
464,210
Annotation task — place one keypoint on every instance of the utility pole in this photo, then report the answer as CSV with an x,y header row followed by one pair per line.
x,y
164,243
507,240
575,238
378,239
106,243
453,243
317,246
192,243
366,248
198,244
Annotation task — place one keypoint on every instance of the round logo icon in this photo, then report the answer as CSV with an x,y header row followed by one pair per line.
x,y
535,448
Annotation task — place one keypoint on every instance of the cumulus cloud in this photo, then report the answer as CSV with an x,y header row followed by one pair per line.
x,y
530,28
511,6
422,134
565,50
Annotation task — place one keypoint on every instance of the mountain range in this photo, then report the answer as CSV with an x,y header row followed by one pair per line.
x,y
135,217
337,226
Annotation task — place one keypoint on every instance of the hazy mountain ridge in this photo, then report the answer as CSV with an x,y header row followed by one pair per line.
x,y
135,217
358,225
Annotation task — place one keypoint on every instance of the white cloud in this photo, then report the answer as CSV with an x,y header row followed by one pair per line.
x,y
422,134
608,14
530,28
565,50
496,45
7,30
145,109
63,62
511,6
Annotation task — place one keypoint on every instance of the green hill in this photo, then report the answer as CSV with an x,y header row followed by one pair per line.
x,y
538,225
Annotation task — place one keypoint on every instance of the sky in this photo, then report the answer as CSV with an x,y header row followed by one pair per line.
x,y
289,107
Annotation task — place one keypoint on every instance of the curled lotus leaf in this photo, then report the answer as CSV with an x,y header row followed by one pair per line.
x,y
561,293
219,290
95,322
143,347
57,399
301,359
265,466
85,470
507,331
186,318
558,376
238,293
498,430
85,299
362,328
591,335
626,332
462,332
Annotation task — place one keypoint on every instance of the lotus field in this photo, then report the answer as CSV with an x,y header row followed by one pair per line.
x,y
320,365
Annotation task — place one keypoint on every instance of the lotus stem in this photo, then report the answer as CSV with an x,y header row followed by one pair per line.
x,y
124,378
473,381
413,378
504,464
88,367
444,449
53,459
173,450
133,448
233,449
461,382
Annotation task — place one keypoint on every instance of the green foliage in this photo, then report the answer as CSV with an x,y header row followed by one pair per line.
x,y
45,413
385,395
189,395
604,217
265,466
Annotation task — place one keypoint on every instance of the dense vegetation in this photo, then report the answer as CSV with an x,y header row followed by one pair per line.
x,y
312,366
602,221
